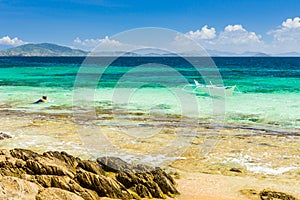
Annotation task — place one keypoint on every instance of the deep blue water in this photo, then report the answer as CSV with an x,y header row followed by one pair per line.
x,y
250,74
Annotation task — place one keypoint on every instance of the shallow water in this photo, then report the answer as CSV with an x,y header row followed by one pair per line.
x,y
268,89
139,102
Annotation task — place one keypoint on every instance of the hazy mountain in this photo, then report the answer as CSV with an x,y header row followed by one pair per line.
x,y
220,53
43,49
48,49
231,54
254,54
287,54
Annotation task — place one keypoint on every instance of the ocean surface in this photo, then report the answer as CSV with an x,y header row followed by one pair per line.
x,y
93,102
267,93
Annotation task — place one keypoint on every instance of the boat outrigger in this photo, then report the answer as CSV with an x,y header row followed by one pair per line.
x,y
212,90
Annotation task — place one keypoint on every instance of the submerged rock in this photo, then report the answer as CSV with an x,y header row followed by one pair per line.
x,y
4,136
113,164
58,175
237,170
273,195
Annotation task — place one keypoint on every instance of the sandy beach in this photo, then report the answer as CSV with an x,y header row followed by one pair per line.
x,y
241,162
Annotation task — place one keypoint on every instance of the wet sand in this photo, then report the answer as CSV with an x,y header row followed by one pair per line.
x,y
218,162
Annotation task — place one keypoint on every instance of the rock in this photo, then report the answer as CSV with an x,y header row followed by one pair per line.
x,y
235,170
250,193
10,166
58,175
23,154
91,166
13,188
63,182
104,186
165,182
4,136
142,191
66,183
113,164
155,190
273,195
56,194
127,178
49,166
157,182
63,156
143,168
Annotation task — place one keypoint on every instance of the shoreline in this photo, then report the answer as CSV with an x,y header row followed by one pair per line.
x,y
243,158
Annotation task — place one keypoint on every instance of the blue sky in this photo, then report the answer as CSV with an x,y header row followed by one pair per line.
x,y
62,21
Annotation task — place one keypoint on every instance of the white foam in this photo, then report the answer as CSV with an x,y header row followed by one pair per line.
x,y
269,170
259,168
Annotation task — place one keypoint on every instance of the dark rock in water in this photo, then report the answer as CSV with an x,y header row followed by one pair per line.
x,y
58,175
143,168
272,195
235,170
113,164
4,136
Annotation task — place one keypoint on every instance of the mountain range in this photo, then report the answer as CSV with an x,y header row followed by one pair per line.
x,y
48,49
43,49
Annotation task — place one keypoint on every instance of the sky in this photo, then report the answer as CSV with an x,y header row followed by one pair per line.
x,y
270,26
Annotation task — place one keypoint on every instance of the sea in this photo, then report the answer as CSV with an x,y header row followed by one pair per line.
x,y
267,88
149,99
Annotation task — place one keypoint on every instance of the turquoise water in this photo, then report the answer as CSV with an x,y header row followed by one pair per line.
x,y
268,89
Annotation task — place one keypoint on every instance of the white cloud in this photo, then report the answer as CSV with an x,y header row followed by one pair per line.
x,y
92,43
287,36
292,23
103,46
6,40
204,34
237,34
234,38
236,27
87,42
184,44
107,41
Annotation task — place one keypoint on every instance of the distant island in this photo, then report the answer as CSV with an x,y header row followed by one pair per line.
x,y
43,49
49,49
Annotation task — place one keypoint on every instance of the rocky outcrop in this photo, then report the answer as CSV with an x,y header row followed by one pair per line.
x,y
56,193
58,175
147,182
13,188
